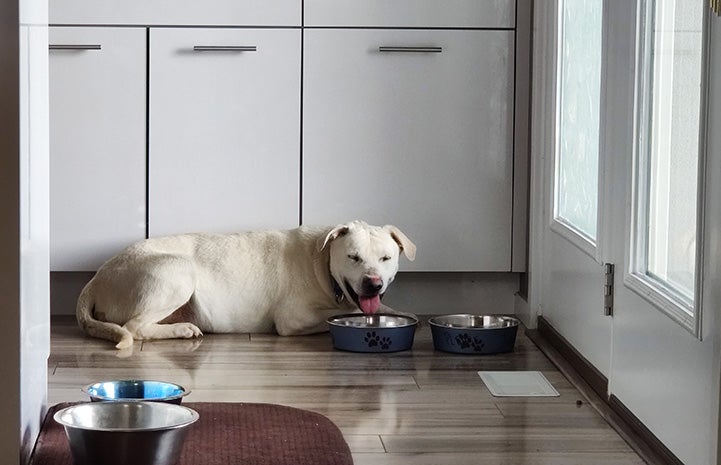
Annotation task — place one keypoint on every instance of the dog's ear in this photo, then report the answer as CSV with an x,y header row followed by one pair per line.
x,y
408,247
331,235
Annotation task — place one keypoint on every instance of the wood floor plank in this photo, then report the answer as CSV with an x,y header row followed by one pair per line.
x,y
211,377
503,443
364,443
496,458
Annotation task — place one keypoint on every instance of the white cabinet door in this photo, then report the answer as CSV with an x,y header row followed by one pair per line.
x,y
422,140
97,144
224,129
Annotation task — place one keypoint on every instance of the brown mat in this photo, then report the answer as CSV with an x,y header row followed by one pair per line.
x,y
232,433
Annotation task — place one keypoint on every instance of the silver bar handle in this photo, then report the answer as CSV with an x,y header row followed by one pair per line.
x,y
74,47
400,49
225,48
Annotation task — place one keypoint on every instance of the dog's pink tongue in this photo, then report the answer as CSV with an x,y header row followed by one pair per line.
x,y
369,305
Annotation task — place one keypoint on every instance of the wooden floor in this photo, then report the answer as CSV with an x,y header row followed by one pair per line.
x,y
415,407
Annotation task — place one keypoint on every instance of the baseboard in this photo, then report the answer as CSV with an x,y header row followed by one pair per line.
x,y
422,293
596,379
667,457
433,293
65,287
594,385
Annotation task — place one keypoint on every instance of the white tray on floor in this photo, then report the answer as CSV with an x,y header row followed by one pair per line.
x,y
518,384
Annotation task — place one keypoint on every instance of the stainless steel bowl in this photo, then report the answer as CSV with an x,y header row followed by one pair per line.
x,y
380,332
121,433
474,334
131,389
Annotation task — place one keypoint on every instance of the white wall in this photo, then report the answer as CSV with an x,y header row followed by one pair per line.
x,y
34,220
24,300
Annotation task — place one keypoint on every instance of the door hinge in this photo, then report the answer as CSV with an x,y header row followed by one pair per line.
x,y
609,269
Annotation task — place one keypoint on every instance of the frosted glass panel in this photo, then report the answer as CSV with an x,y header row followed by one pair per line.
x,y
675,63
576,186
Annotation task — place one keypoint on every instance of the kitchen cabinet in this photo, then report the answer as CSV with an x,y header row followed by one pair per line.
x,y
415,128
224,149
245,114
97,143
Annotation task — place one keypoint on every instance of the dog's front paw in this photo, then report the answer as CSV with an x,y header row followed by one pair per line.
x,y
187,331
125,343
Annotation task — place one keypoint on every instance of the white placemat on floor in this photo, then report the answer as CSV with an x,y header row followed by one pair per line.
x,y
518,384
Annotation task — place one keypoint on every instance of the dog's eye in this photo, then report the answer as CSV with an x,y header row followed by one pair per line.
x,y
385,258
354,257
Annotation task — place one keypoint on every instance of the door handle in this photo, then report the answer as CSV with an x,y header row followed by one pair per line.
x,y
74,47
402,49
225,48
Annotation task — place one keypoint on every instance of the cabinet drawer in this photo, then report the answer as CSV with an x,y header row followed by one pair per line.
x,y
167,12
411,13
97,144
420,140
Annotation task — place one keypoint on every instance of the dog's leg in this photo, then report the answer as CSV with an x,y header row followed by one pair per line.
x,y
154,326
165,291
166,331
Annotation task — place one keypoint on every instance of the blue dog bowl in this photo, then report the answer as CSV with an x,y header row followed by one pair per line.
x,y
136,390
474,334
381,332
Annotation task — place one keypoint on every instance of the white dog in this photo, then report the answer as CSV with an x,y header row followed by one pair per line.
x,y
255,282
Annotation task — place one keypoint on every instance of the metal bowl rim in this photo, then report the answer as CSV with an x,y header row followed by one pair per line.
x,y
86,390
194,416
332,320
513,320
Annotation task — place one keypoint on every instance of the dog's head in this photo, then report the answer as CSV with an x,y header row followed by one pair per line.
x,y
364,260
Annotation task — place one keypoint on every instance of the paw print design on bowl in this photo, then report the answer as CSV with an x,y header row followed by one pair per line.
x,y
465,341
374,340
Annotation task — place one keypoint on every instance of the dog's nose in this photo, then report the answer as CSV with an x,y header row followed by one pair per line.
x,y
372,284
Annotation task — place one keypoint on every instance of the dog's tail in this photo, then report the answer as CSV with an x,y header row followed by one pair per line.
x,y
97,328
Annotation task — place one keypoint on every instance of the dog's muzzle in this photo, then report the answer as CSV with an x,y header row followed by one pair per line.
x,y
369,299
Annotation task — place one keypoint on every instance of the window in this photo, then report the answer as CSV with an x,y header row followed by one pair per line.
x,y
664,236
578,109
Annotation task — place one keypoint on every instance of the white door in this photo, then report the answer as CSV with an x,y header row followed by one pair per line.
x,y
665,347
660,349
567,284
